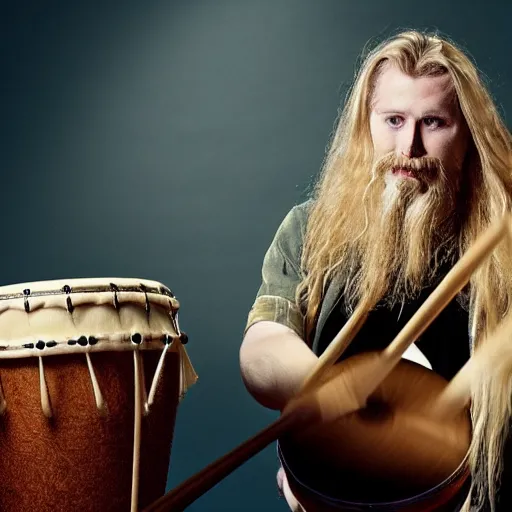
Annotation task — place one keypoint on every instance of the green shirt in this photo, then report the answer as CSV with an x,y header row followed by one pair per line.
x,y
281,274
446,342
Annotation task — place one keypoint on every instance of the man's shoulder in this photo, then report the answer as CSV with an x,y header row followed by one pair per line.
x,y
296,219
289,237
302,209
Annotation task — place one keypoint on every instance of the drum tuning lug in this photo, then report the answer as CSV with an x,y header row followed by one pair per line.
x,y
26,304
82,341
137,338
166,339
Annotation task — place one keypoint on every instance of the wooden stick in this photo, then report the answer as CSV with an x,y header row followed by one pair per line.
x,y
194,487
454,281
301,412
338,345
182,496
457,393
452,284
447,289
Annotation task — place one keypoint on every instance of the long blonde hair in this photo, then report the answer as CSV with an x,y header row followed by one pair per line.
x,y
336,215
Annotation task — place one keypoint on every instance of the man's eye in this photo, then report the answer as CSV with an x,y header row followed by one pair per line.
x,y
394,121
433,122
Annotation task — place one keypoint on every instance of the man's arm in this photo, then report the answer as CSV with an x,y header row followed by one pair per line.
x,y
274,362
274,358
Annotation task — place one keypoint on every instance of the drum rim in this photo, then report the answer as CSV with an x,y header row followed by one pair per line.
x,y
70,294
461,472
82,285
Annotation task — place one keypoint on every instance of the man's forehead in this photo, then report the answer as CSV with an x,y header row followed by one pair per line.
x,y
395,90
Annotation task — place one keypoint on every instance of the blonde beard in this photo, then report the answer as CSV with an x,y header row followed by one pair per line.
x,y
409,231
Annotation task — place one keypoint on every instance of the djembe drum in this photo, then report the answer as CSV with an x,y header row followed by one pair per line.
x,y
92,372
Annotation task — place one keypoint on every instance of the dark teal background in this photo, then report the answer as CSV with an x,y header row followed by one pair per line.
x,y
167,140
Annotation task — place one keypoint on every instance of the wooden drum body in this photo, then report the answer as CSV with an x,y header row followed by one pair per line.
x,y
92,372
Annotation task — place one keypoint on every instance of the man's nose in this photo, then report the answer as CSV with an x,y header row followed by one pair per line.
x,y
411,142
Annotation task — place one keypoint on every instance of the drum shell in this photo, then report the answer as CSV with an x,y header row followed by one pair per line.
x,y
374,459
448,496
80,459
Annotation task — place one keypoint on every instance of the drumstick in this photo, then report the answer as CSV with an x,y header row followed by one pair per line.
x,y
182,496
200,483
338,345
303,411
447,289
436,302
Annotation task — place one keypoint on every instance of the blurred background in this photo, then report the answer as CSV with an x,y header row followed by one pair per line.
x,y
167,140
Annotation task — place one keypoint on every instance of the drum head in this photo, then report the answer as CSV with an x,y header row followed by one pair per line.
x,y
387,453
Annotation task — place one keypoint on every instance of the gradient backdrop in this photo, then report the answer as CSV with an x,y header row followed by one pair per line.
x,y
167,140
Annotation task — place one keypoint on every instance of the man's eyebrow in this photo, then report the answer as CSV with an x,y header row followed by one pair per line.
x,y
390,111
428,113
443,112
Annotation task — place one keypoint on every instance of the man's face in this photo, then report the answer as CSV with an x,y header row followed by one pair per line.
x,y
420,140
418,117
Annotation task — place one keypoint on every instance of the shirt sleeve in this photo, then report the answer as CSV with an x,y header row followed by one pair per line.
x,y
281,274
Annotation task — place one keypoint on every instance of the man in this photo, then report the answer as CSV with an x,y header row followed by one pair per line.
x,y
419,166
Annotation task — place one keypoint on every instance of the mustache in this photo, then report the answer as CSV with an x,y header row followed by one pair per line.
x,y
426,169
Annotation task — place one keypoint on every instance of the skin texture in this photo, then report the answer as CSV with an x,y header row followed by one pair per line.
x,y
274,362
416,117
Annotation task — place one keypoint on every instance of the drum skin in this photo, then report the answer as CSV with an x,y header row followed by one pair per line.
x,y
80,460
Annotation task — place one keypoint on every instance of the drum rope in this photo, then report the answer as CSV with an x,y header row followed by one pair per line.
x,y
136,430
168,342
156,378
144,396
45,397
98,396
